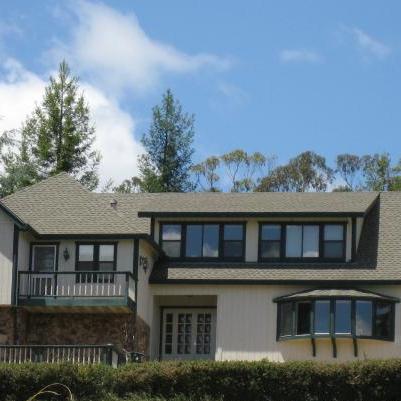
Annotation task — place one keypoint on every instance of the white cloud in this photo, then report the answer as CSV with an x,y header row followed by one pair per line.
x,y
233,93
115,52
369,45
299,56
20,89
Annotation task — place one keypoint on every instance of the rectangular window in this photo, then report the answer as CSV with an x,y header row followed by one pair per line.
x,y
233,241
302,241
303,318
96,257
171,240
383,320
286,319
202,241
333,241
363,312
270,241
322,317
342,317
44,258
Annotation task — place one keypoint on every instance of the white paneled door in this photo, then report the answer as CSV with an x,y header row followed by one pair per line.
x,y
189,333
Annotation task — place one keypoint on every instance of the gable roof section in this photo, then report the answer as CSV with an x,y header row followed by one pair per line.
x,y
62,206
378,259
255,204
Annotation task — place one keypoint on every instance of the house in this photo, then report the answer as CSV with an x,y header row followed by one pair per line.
x,y
221,276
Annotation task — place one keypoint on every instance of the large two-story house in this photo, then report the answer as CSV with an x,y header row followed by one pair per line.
x,y
220,276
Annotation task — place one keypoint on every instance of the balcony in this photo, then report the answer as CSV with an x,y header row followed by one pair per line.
x,y
112,291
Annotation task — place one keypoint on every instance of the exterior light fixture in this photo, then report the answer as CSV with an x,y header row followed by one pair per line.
x,y
66,254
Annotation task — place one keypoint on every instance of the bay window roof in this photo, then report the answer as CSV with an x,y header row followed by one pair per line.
x,y
328,293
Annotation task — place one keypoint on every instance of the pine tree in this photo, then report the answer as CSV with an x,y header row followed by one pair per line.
x,y
168,143
57,137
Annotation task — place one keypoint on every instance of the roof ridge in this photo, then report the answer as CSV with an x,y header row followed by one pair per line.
x,y
43,182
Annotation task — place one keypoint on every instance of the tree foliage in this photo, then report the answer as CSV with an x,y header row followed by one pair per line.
x,y
306,172
165,167
57,137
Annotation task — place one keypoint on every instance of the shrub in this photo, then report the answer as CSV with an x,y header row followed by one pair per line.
x,y
201,380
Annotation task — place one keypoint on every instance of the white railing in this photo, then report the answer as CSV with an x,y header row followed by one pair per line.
x,y
79,354
75,284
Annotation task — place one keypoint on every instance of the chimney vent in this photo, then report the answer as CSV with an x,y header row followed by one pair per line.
x,y
113,204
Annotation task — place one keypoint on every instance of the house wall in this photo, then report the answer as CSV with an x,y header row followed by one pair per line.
x,y
6,258
246,325
252,230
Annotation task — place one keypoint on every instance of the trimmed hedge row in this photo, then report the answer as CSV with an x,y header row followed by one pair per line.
x,y
231,381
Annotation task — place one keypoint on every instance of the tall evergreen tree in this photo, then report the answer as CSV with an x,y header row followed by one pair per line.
x,y
166,165
57,137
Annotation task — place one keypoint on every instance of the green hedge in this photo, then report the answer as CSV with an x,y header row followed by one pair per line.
x,y
231,381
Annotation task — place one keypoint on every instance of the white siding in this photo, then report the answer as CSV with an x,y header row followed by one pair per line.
x,y
246,326
6,258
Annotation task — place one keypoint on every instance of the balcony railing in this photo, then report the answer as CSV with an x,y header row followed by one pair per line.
x,y
83,287
79,354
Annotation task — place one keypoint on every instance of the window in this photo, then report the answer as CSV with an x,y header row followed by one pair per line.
x,y
171,239
363,317
233,241
302,241
303,318
322,317
343,317
270,245
203,240
44,258
373,319
333,243
96,257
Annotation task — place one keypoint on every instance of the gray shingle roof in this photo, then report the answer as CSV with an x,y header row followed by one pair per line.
x,y
257,202
378,258
335,293
60,205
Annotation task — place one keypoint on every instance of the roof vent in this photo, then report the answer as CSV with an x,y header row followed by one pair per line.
x,y
113,204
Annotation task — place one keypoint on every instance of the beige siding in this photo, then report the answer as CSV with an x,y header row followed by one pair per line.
x,y
246,326
6,258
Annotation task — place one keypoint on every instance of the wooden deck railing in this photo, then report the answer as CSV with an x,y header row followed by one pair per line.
x,y
80,354
75,284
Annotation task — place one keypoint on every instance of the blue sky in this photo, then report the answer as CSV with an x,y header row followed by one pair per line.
x,y
278,77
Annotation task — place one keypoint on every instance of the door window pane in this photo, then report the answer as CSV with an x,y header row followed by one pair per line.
x,y
106,253
44,258
233,232
311,242
193,247
333,232
303,317
383,320
293,248
343,317
285,328
211,241
322,317
363,318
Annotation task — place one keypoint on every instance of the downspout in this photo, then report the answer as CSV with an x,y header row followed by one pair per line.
x,y
135,272
14,282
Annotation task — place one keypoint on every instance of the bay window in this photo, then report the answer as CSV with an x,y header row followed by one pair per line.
x,y
336,318
307,241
